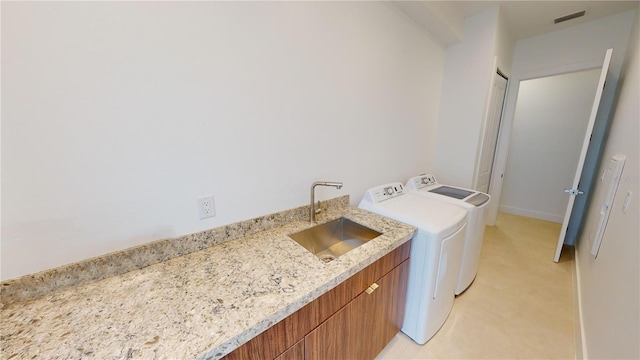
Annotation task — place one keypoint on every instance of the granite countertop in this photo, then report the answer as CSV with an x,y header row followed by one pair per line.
x,y
200,305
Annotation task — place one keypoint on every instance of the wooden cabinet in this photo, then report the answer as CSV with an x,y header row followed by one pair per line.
x,y
362,328
344,323
296,352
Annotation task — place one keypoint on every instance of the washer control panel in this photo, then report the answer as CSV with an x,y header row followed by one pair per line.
x,y
386,192
422,181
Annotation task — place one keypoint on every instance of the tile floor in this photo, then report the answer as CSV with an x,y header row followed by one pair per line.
x,y
520,305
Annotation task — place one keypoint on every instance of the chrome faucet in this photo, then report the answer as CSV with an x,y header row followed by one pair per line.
x,y
312,209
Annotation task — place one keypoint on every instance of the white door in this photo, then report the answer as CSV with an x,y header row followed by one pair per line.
x,y
574,190
492,125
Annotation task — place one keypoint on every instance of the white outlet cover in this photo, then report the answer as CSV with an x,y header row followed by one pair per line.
x,y
206,207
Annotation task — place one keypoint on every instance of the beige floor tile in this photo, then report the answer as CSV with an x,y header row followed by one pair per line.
x,y
520,305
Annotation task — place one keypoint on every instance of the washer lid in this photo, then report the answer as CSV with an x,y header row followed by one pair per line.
x,y
452,192
428,184
435,217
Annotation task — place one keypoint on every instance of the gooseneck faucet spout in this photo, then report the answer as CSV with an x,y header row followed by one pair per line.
x,y
312,208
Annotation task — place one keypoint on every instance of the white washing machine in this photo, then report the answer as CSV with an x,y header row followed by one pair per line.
x,y
476,204
436,252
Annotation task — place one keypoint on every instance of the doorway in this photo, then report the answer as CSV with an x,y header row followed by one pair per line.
x,y
551,117
593,137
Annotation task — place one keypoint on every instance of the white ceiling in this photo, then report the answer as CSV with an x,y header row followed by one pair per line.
x,y
529,18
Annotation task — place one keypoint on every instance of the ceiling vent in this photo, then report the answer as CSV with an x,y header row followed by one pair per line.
x,y
569,17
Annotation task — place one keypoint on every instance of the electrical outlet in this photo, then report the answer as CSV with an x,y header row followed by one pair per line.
x,y
206,207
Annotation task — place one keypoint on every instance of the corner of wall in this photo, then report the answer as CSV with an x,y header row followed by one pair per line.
x,y
605,330
440,19
467,80
505,46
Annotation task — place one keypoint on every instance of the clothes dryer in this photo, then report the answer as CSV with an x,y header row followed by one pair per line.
x,y
476,204
436,252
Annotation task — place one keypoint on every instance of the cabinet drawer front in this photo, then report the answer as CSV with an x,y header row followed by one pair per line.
x,y
362,280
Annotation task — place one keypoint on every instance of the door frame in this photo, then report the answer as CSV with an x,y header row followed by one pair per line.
x,y
484,133
587,143
506,126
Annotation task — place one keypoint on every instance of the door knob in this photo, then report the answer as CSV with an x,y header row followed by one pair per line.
x,y
573,191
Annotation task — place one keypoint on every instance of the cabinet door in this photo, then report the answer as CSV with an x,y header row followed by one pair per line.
x,y
384,314
296,352
365,326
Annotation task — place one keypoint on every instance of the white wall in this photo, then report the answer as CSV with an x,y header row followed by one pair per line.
x,y
505,45
550,122
440,18
117,116
567,48
609,285
467,79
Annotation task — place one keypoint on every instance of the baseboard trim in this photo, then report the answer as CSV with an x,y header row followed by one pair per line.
x,y
578,333
531,213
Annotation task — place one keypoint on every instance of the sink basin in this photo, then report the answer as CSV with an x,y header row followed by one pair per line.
x,y
334,238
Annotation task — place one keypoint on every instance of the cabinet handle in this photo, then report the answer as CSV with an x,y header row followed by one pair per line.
x,y
371,288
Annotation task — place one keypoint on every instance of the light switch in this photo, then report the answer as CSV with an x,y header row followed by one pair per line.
x,y
610,179
627,201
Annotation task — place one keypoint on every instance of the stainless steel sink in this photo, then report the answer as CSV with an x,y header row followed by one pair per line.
x,y
334,238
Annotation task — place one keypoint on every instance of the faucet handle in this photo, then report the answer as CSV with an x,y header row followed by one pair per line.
x,y
318,209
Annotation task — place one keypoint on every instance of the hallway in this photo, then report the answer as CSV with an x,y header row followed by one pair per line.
x,y
520,305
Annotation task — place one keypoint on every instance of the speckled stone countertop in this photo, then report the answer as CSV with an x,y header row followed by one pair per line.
x,y
200,305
